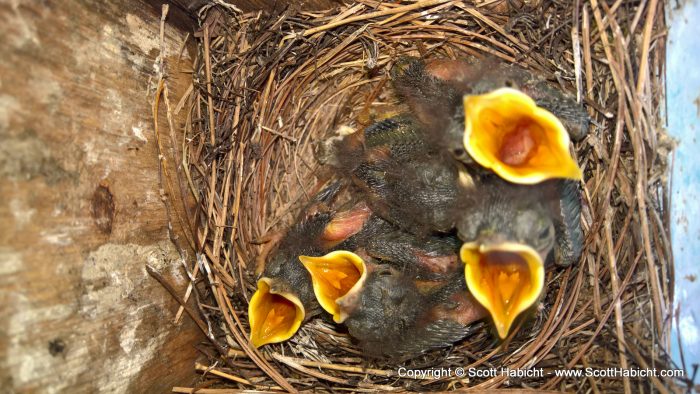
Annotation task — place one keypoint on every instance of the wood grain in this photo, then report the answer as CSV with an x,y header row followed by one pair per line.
x,y
80,206
191,6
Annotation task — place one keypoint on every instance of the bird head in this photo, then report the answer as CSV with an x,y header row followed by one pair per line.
x,y
404,178
376,302
383,311
508,238
275,313
506,278
285,296
336,276
507,132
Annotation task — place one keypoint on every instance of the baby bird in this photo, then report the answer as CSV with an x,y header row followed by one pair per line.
x,y
494,114
342,273
389,313
495,219
284,297
403,178
428,258
510,232
395,317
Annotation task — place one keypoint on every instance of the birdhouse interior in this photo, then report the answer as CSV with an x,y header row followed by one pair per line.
x,y
327,153
263,195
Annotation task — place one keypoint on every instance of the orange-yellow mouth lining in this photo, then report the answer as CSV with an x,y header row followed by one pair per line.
x,y
506,279
507,132
274,317
334,276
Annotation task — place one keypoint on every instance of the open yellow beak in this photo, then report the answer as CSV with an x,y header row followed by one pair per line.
x,y
506,279
334,276
508,133
274,316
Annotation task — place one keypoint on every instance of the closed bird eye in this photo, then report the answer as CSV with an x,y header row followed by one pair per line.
x,y
384,271
459,153
545,237
397,297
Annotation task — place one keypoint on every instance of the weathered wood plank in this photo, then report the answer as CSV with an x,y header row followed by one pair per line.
x,y
80,206
254,5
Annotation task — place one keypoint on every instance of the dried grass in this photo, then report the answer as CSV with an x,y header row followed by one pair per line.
x,y
267,88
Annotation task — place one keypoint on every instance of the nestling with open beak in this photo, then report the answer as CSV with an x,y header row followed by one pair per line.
x,y
386,311
509,233
285,298
496,219
496,115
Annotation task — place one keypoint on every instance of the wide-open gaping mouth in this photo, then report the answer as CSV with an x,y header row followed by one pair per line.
x,y
505,278
508,133
274,317
334,276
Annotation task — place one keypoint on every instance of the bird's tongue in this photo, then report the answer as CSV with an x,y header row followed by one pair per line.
x,y
519,145
279,316
511,282
336,279
506,277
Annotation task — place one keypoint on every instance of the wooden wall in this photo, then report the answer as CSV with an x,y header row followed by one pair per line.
x,y
80,208
190,6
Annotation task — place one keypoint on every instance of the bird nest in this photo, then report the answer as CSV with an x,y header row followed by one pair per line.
x,y
271,87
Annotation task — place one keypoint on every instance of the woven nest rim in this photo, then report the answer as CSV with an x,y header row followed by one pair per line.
x,y
274,85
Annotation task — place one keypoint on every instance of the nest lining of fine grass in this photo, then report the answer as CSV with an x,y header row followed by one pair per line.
x,y
269,88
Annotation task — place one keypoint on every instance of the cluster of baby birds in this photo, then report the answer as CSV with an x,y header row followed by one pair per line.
x,y
443,215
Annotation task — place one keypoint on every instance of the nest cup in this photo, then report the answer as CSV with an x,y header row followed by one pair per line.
x,y
270,88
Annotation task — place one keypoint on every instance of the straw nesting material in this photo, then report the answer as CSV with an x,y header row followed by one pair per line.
x,y
270,88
